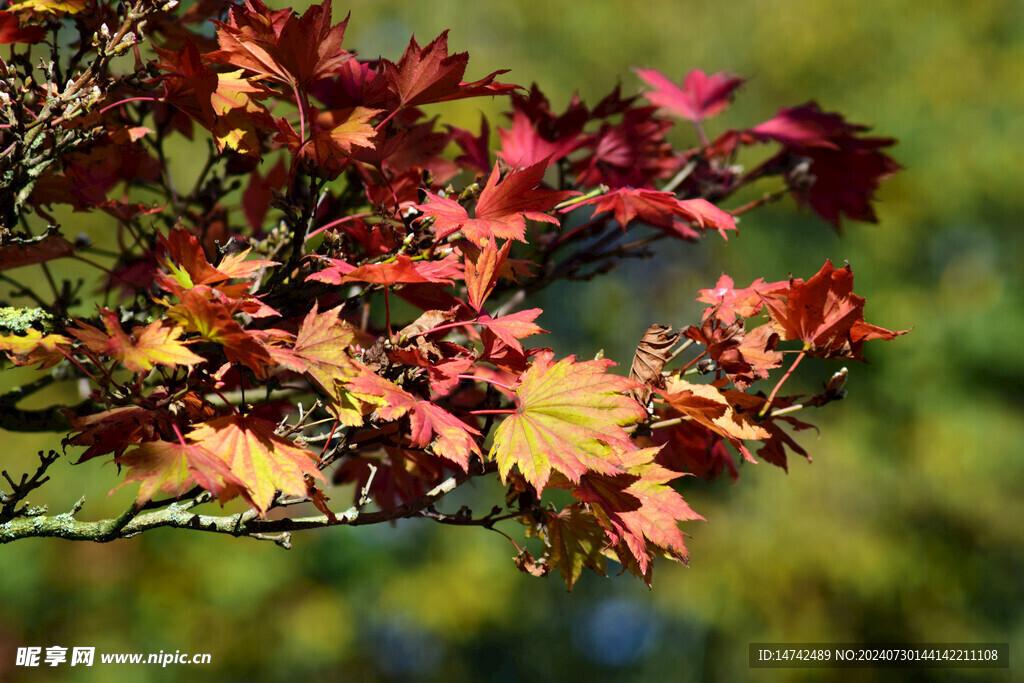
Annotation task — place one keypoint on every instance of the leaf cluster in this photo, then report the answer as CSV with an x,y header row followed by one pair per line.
x,y
246,340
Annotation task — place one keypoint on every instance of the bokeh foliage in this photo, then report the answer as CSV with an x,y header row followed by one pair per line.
x,y
905,528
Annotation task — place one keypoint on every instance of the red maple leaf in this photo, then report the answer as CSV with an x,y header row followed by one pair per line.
x,y
455,440
475,148
11,30
400,271
501,210
630,153
825,314
15,253
729,303
638,508
745,358
513,327
845,168
700,97
662,210
280,45
430,74
483,271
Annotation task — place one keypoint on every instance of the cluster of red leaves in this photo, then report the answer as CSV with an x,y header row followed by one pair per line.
x,y
353,205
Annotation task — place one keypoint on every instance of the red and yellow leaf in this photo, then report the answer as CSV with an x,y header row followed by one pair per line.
x,y
147,346
175,468
569,419
262,461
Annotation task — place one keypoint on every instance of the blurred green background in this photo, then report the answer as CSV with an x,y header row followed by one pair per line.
x,y
909,525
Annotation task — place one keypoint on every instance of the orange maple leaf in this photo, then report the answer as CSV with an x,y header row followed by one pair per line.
x,y
261,460
502,208
147,346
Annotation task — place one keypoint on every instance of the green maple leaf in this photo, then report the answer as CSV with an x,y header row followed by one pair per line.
x,y
569,419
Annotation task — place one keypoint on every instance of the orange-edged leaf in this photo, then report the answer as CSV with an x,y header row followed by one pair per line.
x,y
332,137
403,270
35,347
175,468
502,208
513,327
639,508
212,320
482,272
189,266
15,253
321,349
455,440
261,460
569,419
147,346
706,405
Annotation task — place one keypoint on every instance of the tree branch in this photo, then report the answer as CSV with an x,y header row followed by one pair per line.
x,y
179,516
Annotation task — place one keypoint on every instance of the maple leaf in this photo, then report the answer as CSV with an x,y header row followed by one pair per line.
x,y
175,468
50,6
482,272
825,314
745,358
15,252
633,152
513,327
430,74
573,540
259,459
11,30
213,321
332,137
321,351
454,437
569,419
662,210
476,148
700,97
692,447
147,346
845,169
706,405
652,353
35,347
280,45
501,209
400,271
258,194
729,303
111,431
188,264
640,507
